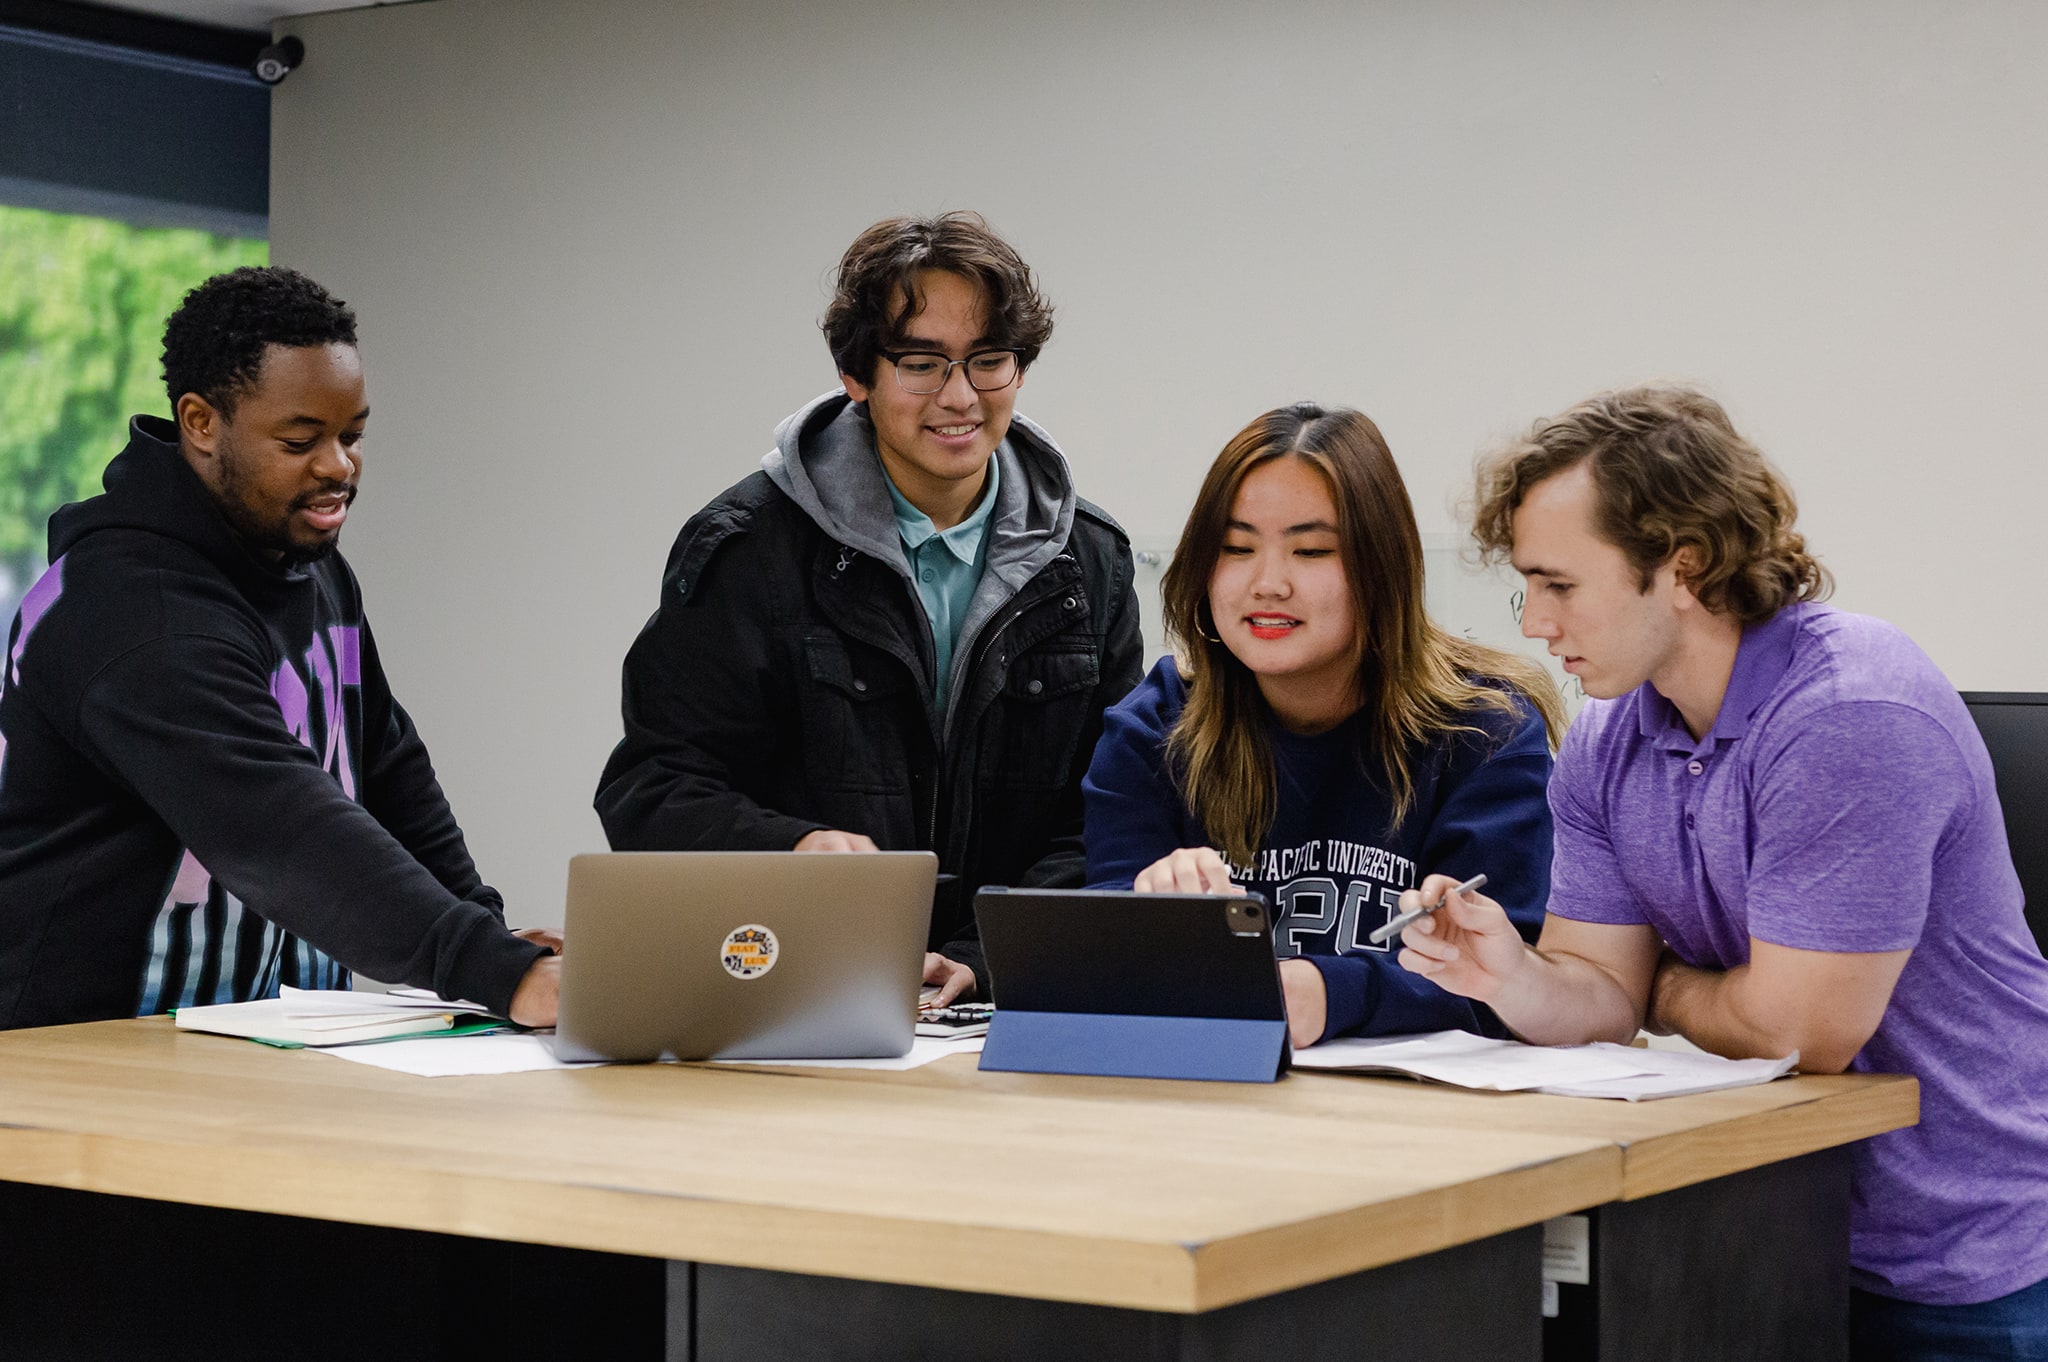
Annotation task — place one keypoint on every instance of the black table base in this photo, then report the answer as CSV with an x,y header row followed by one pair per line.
x,y
1753,1265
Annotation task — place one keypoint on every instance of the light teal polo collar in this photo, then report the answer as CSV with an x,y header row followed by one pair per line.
x,y
963,541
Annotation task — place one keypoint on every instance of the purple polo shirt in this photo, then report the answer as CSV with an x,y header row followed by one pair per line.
x,y
1844,802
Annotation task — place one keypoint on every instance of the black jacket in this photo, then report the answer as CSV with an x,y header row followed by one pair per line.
x,y
785,684
206,787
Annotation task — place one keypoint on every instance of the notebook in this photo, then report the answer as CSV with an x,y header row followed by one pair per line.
x,y
324,1017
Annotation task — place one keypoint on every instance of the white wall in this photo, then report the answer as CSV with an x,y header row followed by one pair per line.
x,y
590,240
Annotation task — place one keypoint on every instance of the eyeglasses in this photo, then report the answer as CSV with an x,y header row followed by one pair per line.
x,y
921,372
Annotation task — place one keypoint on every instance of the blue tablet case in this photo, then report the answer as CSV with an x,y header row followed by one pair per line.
x,y
1132,985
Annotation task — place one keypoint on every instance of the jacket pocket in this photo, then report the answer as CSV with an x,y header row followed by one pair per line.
x,y
853,716
1045,704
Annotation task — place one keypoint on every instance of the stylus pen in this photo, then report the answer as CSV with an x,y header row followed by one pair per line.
x,y
1415,915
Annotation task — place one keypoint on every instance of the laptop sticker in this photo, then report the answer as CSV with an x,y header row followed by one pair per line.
x,y
749,952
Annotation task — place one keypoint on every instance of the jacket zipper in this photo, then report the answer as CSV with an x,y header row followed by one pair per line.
x,y
940,784
985,643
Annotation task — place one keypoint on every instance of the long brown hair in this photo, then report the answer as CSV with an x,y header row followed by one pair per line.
x,y
1414,679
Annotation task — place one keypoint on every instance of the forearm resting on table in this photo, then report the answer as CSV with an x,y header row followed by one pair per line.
x,y
1823,1004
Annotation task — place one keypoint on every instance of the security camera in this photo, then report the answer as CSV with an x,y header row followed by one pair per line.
x,y
278,60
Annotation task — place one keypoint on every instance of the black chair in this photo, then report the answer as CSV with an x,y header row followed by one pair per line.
x,y
2015,729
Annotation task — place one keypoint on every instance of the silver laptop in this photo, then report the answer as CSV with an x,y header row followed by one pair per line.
x,y
743,954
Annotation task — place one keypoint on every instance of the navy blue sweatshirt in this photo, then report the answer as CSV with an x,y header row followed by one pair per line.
x,y
206,787
1334,864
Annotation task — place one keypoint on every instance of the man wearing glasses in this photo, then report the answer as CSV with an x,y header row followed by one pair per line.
x,y
902,632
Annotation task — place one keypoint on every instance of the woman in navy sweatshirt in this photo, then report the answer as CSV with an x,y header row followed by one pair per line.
x,y
1317,738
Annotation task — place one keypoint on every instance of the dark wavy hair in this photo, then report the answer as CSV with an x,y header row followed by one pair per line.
x,y
877,288
214,342
1671,474
1415,680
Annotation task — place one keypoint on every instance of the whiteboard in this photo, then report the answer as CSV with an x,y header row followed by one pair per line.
x,y
1829,215
1479,603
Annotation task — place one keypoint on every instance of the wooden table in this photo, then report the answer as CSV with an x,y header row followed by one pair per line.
x,y
853,1213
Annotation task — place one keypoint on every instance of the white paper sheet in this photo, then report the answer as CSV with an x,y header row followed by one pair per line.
x,y
1674,1073
1603,1070
457,1056
923,1051
1466,1060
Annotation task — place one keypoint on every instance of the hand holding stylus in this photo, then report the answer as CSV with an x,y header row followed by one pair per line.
x,y
1467,947
1415,915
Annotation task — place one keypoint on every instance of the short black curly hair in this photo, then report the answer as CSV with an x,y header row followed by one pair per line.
x,y
213,343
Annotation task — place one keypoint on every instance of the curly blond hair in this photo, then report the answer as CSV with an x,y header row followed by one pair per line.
x,y
1671,474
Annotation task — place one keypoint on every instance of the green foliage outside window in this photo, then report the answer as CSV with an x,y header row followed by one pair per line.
x,y
83,302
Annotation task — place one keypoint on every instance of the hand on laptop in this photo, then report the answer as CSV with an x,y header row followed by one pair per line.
x,y
954,979
832,839
541,936
535,1000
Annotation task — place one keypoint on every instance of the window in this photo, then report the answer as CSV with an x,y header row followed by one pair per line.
x,y
134,163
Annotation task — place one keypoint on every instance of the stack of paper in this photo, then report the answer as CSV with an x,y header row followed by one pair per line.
x,y
326,1017
1602,1070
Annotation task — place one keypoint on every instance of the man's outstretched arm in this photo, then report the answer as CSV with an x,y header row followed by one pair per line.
x,y
188,723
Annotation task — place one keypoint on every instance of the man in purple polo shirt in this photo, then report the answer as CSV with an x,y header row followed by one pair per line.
x,y
1776,830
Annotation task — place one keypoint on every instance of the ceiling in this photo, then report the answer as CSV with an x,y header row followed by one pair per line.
x,y
245,14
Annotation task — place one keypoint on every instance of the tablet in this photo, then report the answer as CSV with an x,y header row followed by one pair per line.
x,y
1136,985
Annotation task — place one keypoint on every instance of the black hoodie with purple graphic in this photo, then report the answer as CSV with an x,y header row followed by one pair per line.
x,y
206,787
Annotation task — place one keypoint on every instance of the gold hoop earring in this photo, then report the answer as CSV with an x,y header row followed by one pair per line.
x,y
1204,622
